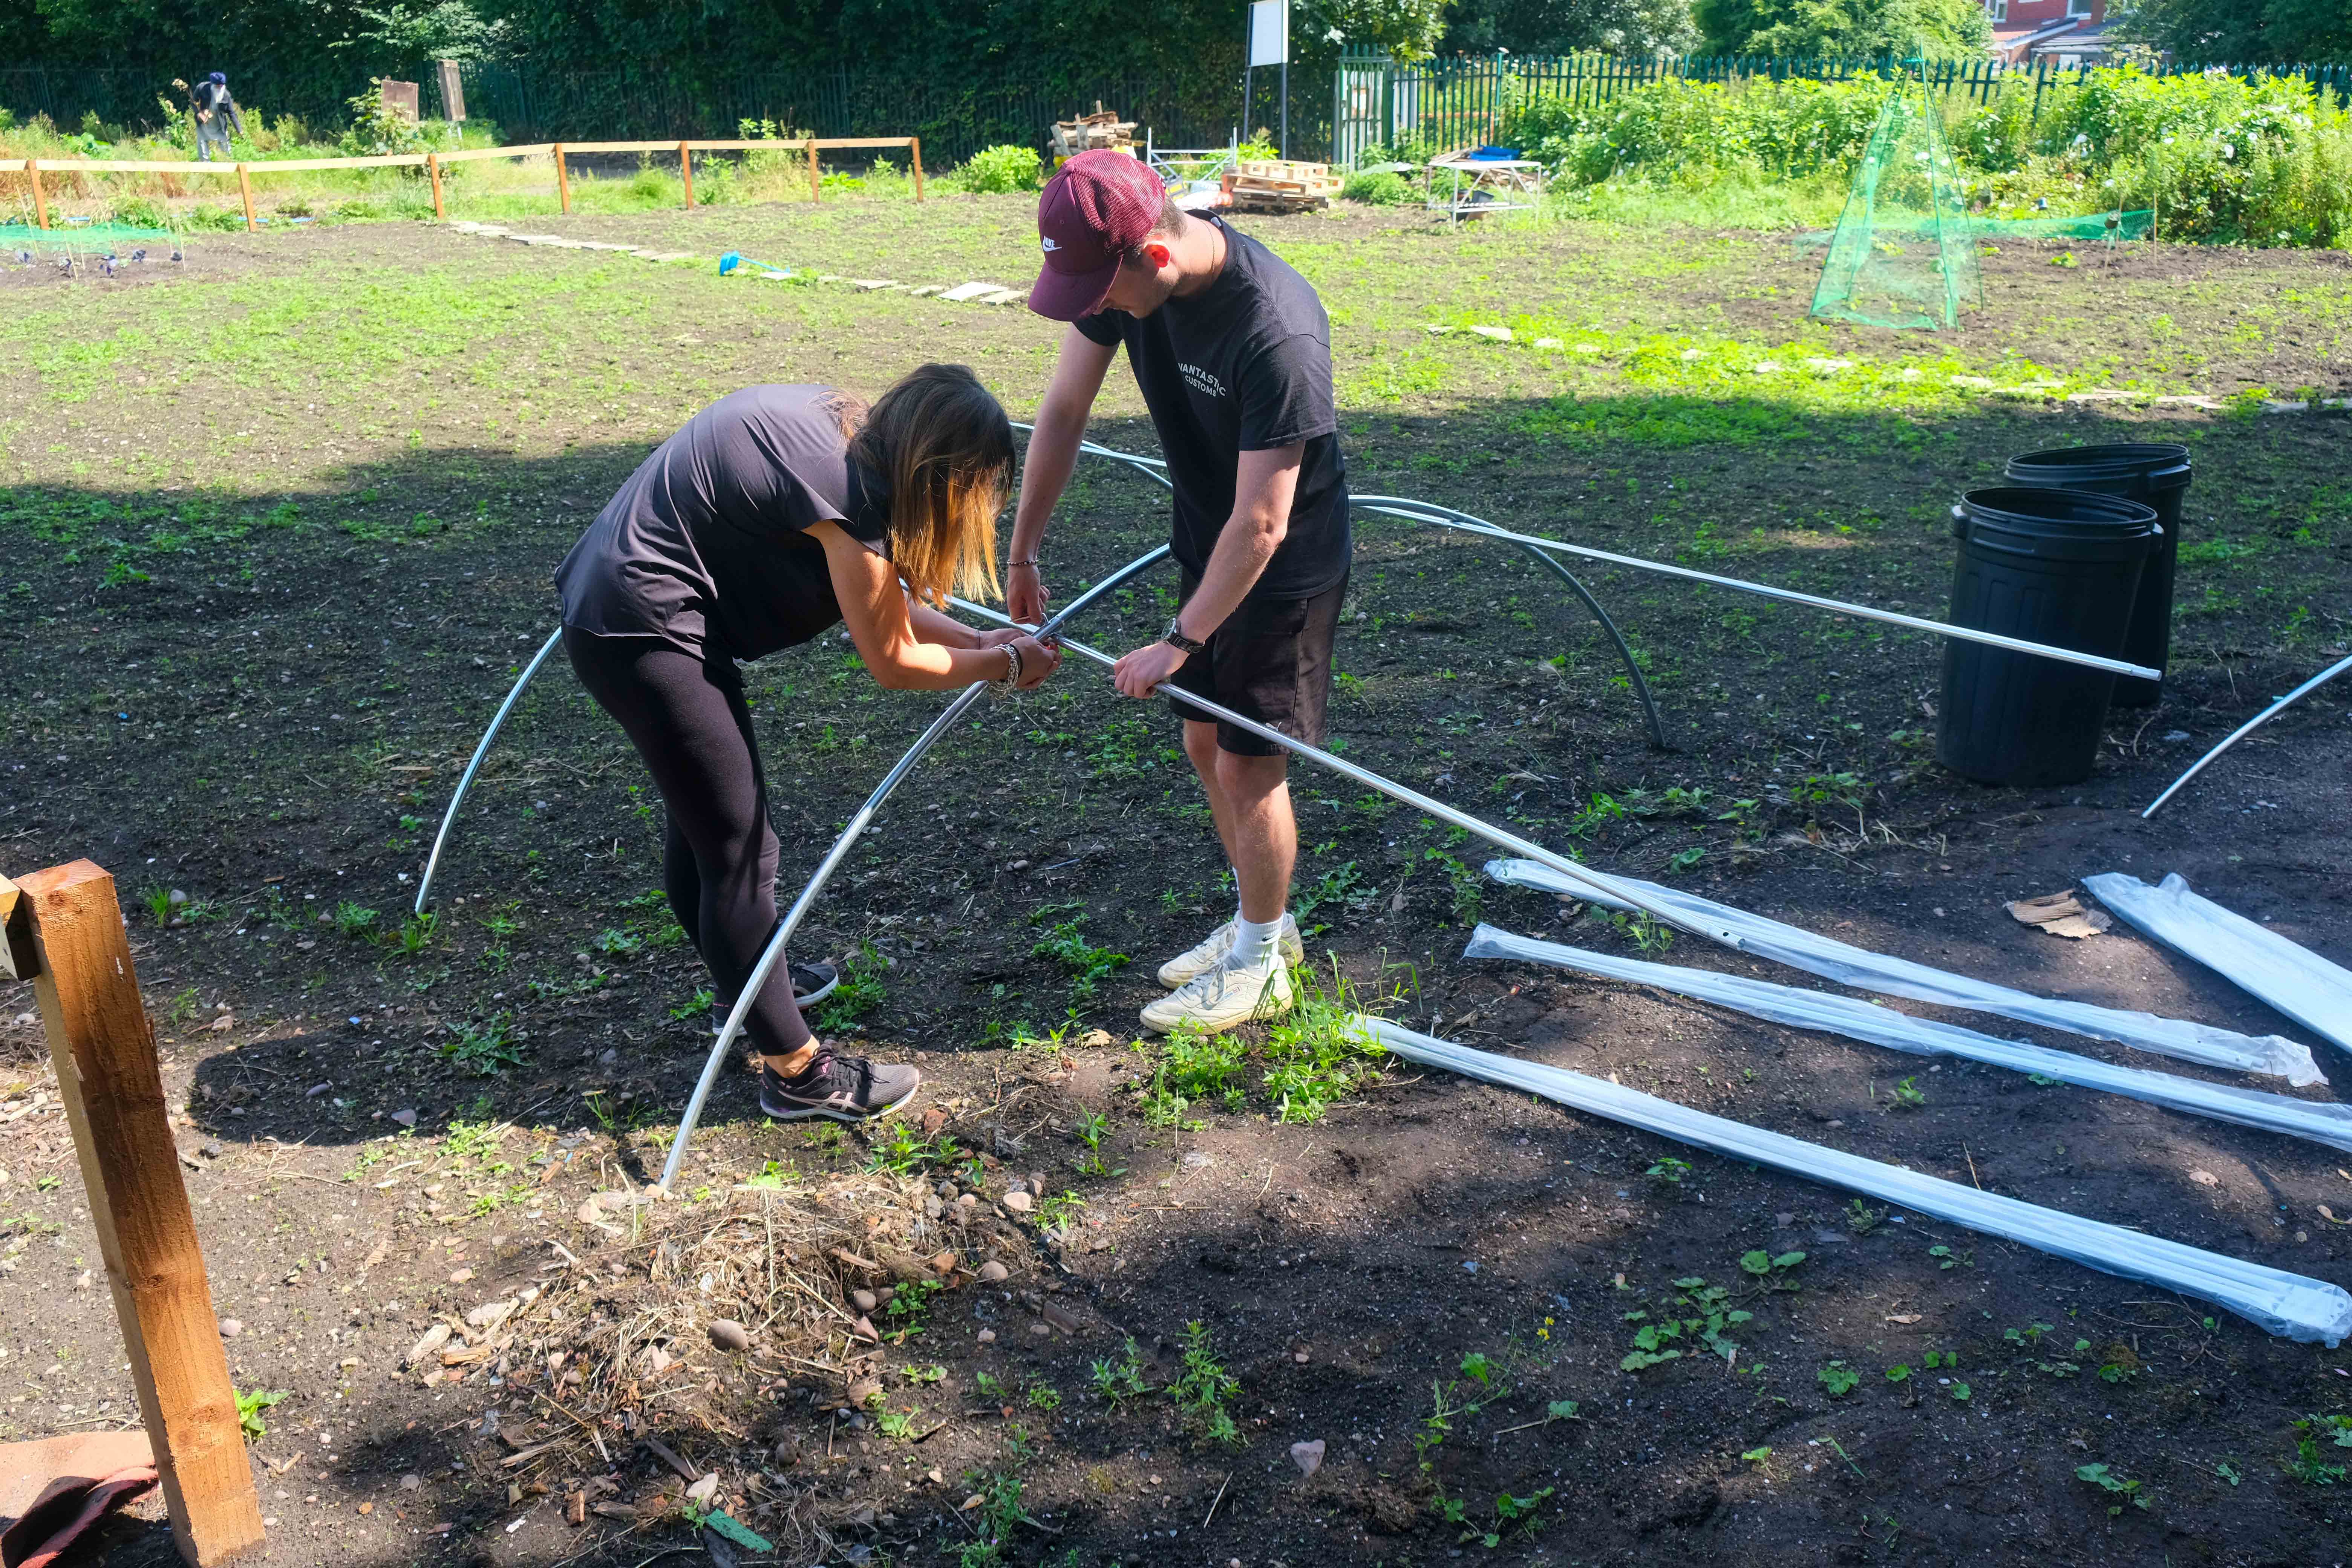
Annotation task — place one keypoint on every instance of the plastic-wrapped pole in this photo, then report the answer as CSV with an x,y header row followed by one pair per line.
x,y
2289,1305
450,817
2294,979
1627,891
2319,1121
2256,723
773,953
1867,971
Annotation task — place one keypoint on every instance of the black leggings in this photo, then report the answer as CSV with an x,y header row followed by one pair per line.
x,y
688,720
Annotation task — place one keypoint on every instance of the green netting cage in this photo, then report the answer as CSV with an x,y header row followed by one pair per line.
x,y
1904,251
103,245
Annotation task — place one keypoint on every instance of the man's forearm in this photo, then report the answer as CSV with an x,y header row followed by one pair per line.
x,y
1235,566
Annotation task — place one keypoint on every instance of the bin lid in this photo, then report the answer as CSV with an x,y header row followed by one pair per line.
x,y
2159,465
2056,523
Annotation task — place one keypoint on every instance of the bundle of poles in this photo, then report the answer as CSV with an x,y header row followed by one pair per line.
x,y
1584,879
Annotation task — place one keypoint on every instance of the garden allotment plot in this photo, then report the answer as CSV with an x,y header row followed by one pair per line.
x,y
256,628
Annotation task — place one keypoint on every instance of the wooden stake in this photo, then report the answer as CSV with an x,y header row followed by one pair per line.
x,y
563,180
40,201
914,146
433,167
104,1053
812,175
686,172
244,186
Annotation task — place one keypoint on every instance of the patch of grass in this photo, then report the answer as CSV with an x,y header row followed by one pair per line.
x,y
859,992
1116,1382
1314,1055
2314,1464
1086,965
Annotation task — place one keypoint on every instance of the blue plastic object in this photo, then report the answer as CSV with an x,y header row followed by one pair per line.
x,y
735,260
1494,154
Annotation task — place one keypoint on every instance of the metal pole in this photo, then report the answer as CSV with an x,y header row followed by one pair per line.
x,y
1427,511
774,951
2264,716
449,818
1597,881
1153,467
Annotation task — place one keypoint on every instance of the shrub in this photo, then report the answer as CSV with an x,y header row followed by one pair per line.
x,y
141,212
1799,127
1000,169
1386,189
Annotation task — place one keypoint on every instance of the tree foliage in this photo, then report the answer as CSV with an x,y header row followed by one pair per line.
x,y
1570,26
2308,31
1816,29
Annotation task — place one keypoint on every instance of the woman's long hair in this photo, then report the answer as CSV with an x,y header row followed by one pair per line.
x,y
941,442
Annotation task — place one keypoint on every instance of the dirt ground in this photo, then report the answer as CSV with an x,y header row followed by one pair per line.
x,y
256,630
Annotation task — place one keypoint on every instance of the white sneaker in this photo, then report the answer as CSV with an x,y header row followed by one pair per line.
x,y
1185,967
1219,999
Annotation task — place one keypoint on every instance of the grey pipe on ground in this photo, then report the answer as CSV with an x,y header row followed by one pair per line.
x,y
2289,1305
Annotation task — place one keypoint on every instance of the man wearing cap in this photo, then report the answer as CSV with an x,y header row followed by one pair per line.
x,y
215,113
1233,353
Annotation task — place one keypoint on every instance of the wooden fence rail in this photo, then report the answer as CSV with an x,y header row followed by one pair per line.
x,y
432,162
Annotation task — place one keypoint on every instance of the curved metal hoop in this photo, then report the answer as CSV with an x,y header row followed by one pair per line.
x,y
774,952
458,798
1462,523
2249,727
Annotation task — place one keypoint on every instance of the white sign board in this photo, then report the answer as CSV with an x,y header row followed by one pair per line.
x,y
1269,34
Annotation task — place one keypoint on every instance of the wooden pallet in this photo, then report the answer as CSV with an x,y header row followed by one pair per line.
x,y
1282,185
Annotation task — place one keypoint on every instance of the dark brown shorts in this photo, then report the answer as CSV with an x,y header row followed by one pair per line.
x,y
1271,661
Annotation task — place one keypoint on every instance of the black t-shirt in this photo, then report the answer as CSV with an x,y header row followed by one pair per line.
x,y
1243,366
704,546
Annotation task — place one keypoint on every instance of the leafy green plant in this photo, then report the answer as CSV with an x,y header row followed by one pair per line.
x,y
1087,965
2124,1493
1201,1389
250,1403
484,1048
2310,1465
1002,169
1909,1096
415,933
1838,1379
1116,1382
1668,1172
1316,1055
911,1307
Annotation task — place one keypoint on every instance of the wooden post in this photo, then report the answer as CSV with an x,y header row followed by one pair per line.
x,y
63,928
685,172
563,180
915,147
244,186
812,175
433,167
40,201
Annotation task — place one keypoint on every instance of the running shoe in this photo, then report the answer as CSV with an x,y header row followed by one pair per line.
x,y
1221,999
1211,954
812,982
842,1088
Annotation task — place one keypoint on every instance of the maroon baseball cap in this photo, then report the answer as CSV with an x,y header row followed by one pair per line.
x,y
1097,207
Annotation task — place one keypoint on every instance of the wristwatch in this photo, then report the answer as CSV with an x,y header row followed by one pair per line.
x,y
1174,636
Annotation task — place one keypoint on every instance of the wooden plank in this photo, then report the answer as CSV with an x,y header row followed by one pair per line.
x,y
18,959
563,180
686,174
40,201
104,1053
915,147
814,194
296,165
134,166
244,188
618,146
476,154
433,167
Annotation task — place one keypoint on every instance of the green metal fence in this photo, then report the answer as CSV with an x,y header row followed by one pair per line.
x,y
1376,102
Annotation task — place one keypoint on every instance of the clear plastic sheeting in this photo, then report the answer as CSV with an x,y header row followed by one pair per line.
x,y
1860,1020
2289,1305
1867,971
2296,981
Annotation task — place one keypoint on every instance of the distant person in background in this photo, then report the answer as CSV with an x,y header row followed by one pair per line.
x,y
215,113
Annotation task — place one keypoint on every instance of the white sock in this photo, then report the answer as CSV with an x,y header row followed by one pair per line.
x,y
1253,942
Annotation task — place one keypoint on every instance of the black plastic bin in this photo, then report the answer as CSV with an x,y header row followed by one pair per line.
x,y
2060,567
2155,474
